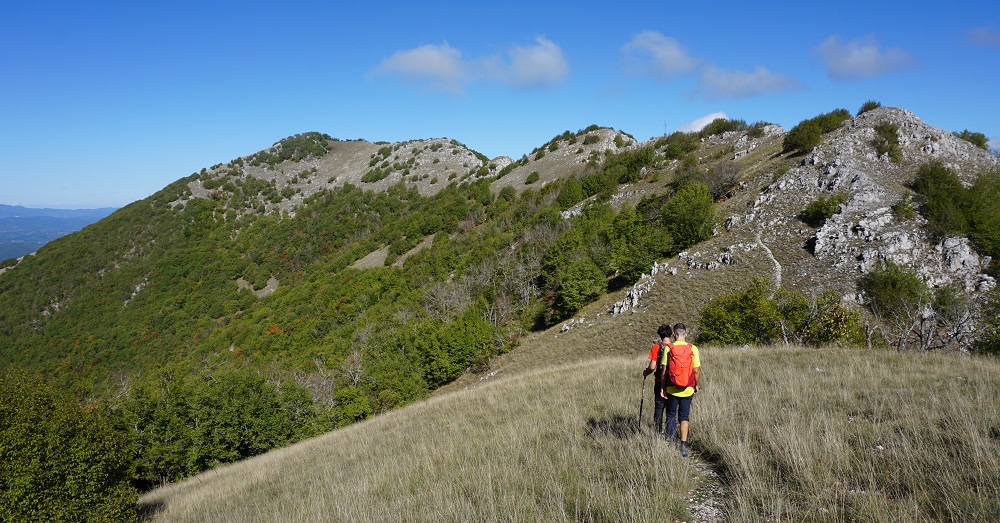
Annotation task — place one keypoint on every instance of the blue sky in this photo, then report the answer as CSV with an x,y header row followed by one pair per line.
x,y
104,103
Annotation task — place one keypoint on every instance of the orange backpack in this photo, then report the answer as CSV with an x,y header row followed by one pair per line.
x,y
679,365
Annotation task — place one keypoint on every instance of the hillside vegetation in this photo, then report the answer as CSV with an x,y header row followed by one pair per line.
x,y
794,434
322,282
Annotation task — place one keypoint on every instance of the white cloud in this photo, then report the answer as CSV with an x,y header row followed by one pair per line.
x,y
859,58
715,83
984,36
535,65
650,52
440,67
699,123
994,145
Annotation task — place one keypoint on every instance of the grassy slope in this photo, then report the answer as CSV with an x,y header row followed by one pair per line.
x,y
797,434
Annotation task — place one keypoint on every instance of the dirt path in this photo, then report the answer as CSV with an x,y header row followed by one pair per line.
x,y
706,501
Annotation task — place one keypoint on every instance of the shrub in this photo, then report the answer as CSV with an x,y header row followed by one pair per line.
x,y
746,316
808,133
722,125
374,175
679,144
722,177
758,314
886,141
626,166
830,121
532,178
756,130
988,338
803,137
591,139
891,291
977,139
869,106
904,209
822,209
943,199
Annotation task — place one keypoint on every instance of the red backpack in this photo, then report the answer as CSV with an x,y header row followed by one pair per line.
x,y
661,350
679,365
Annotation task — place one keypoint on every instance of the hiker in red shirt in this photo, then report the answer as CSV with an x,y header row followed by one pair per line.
x,y
680,383
659,403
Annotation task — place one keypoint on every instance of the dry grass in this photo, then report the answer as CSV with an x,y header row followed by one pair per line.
x,y
554,445
796,434
848,435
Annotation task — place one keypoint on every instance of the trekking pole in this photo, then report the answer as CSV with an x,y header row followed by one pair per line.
x,y
642,399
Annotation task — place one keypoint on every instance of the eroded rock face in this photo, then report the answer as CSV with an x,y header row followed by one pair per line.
x,y
866,232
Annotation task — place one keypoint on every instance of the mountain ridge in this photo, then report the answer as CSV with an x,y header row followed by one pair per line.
x,y
371,275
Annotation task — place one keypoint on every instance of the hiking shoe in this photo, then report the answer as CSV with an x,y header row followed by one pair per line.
x,y
684,450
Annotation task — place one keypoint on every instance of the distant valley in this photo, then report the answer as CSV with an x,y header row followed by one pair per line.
x,y
24,230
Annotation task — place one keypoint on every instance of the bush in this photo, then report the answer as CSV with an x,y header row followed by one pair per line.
x,y
756,130
943,199
977,139
803,137
757,314
722,125
747,316
721,178
60,461
626,166
904,209
869,106
822,209
886,141
808,133
571,194
532,178
831,121
988,338
374,175
679,144
591,139
891,291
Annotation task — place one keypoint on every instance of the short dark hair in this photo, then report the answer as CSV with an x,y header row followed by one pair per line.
x,y
664,331
680,327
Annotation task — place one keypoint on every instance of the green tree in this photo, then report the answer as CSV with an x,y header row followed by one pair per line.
x,y
633,245
581,282
689,215
571,194
59,461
